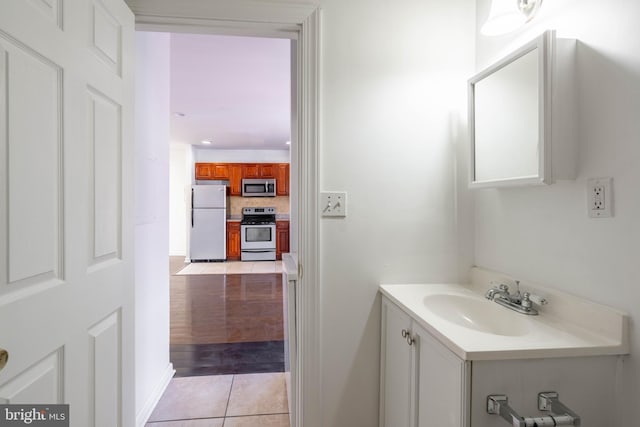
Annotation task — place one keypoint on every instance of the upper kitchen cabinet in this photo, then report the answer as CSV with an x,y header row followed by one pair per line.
x,y
235,179
259,170
267,170
250,170
217,171
236,172
282,179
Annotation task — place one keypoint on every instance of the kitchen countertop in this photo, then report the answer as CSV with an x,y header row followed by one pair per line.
x,y
568,326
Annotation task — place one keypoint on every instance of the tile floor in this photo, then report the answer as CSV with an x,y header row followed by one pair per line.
x,y
248,400
232,267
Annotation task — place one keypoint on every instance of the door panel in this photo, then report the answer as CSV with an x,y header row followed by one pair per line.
x,y
107,33
32,164
52,9
105,133
41,382
105,348
66,267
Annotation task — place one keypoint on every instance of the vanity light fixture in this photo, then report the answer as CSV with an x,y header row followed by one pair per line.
x,y
509,15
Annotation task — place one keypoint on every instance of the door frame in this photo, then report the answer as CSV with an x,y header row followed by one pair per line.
x,y
300,22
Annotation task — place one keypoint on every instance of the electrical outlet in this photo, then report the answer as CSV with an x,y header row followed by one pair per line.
x,y
333,203
600,197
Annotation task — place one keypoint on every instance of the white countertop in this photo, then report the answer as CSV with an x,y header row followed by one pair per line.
x,y
579,328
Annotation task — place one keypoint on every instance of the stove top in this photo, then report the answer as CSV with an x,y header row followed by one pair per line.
x,y
258,216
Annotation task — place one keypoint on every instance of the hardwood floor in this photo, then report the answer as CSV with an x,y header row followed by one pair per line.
x,y
223,324
210,309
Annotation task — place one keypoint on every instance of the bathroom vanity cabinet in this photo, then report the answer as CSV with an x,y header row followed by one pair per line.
x,y
425,383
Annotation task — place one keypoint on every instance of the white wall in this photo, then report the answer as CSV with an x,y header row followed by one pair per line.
x,y
543,234
240,156
393,102
179,185
152,218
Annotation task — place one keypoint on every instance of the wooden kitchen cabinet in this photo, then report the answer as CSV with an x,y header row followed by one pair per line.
x,y
250,170
204,171
267,170
235,179
212,171
233,240
236,172
282,238
282,179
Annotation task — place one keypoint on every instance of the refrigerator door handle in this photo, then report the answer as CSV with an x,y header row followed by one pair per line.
x,y
192,207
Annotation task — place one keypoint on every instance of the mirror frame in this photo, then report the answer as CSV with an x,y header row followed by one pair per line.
x,y
544,44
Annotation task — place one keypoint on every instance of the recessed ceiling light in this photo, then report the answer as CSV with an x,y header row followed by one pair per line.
x,y
288,142
178,114
206,141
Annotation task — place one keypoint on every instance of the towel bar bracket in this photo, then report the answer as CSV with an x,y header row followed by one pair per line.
x,y
559,414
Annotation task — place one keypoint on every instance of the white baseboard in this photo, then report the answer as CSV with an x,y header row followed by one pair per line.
x,y
143,415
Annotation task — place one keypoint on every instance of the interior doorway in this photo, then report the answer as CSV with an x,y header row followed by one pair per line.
x,y
225,321
299,22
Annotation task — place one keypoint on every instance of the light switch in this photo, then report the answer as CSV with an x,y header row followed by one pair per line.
x,y
333,203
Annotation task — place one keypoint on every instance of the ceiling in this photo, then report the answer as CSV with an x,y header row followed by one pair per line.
x,y
233,91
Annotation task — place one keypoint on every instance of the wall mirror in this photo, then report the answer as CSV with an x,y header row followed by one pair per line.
x,y
509,118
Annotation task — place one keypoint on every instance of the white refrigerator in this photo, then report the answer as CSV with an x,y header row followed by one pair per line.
x,y
208,238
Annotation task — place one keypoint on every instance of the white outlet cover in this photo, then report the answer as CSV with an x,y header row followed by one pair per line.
x,y
333,203
600,197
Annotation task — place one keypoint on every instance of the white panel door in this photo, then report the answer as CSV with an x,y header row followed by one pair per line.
x,y
66,273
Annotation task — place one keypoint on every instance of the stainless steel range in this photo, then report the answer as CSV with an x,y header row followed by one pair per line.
x,y
258,234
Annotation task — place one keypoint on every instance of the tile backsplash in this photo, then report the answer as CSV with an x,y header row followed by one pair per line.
x,y
281,203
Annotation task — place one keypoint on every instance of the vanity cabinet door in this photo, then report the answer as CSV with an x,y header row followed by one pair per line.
x,y
395,375
442,383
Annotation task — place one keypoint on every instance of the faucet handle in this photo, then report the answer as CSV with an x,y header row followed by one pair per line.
x,y
538,299
528,299
504,287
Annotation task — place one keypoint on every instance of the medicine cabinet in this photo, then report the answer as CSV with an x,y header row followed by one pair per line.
x,y
521,116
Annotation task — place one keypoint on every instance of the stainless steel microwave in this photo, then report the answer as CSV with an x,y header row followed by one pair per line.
x,y
258,188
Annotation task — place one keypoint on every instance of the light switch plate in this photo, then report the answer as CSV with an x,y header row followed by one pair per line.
x,y
333,203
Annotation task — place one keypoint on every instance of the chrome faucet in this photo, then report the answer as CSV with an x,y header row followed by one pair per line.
x,y
520,302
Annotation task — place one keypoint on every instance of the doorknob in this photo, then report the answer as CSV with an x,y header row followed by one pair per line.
x,y
4,357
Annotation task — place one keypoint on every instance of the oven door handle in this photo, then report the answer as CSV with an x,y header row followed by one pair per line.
x,y
257,251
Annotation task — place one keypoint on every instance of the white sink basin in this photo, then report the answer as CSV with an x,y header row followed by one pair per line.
x,y
474,328
477,314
